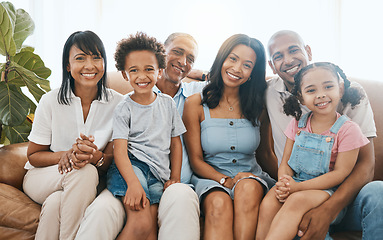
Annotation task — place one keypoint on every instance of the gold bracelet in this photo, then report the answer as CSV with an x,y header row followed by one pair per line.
x,y
101,161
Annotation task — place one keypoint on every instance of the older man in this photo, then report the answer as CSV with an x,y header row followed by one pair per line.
x,y
178,213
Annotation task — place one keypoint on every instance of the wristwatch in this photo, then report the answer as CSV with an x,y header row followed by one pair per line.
x,y
205,76
223,180
101,161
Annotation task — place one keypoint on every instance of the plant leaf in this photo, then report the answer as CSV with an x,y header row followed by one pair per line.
x,y
33,62
7,26
30,80
11,10
27,48
3,139
13,107
31,104
24,27
17,134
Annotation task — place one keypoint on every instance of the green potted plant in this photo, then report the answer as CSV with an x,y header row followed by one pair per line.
x,y
23,70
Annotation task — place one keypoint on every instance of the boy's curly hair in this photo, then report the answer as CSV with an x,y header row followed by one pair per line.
x,y
139,41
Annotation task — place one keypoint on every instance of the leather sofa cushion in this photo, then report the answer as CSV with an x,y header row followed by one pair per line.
x,y
18,210
15,234
12,160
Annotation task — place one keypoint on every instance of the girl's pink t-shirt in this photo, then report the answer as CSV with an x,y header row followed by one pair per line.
x,y
349,137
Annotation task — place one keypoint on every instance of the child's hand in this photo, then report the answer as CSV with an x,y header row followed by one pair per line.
x,y
170,182
290,183
281,191
135,197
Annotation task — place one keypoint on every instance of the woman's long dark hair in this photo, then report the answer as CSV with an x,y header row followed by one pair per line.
x,y
251,93
351,95
91,44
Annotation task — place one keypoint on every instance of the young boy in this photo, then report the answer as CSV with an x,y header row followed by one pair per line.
x,y
146,133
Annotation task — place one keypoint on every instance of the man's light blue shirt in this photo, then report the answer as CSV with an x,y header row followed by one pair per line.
x,y
185,90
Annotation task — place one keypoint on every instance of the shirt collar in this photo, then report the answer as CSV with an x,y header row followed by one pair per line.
x,y
280,85
102,100
179,92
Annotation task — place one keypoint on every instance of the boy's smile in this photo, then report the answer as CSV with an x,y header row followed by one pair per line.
x,y
142,71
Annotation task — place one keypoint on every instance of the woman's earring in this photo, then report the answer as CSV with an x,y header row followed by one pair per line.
x,y
249,79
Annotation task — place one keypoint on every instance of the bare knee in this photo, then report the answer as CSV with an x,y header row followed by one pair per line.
x,y
217,205
294,201
140,223
267,204
248,193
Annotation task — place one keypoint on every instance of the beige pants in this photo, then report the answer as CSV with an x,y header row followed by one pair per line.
x,y
178,216
64,198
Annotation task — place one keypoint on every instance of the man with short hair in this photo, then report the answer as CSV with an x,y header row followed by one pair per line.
x,y
361,200
178,212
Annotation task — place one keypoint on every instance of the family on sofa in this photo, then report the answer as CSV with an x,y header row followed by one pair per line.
x,y
206,147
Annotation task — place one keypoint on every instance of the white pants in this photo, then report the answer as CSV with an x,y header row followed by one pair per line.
x,y
64,198
178,216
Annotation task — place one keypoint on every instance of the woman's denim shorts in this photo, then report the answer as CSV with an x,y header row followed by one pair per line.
x,y
151,185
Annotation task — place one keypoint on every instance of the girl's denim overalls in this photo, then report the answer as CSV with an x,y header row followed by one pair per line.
x,y
311,152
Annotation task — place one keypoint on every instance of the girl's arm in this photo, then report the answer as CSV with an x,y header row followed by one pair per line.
x,y
135,196
284,168
265,154
281,190
192,117
175,161
344,164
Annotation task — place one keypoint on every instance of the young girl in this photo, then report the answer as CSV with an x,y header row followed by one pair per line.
x,y
146,132
320,152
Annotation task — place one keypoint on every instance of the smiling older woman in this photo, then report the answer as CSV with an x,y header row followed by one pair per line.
x,y
70,138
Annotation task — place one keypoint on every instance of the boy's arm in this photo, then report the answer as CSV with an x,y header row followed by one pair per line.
x,y
315,223
122,161
175,161
135,195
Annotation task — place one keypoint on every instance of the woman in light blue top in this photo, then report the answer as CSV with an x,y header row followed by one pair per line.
x,y
223,135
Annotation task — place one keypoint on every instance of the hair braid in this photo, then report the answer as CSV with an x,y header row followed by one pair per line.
x,y
351,95
292,107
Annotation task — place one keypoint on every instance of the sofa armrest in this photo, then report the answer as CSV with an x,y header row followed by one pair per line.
x,y
12,160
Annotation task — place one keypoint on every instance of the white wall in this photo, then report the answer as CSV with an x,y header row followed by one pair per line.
x,y
346,32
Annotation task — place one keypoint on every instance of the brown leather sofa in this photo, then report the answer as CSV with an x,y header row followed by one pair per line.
x,y
19,215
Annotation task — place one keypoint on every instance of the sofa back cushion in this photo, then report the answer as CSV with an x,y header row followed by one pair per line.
x,y
12,160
